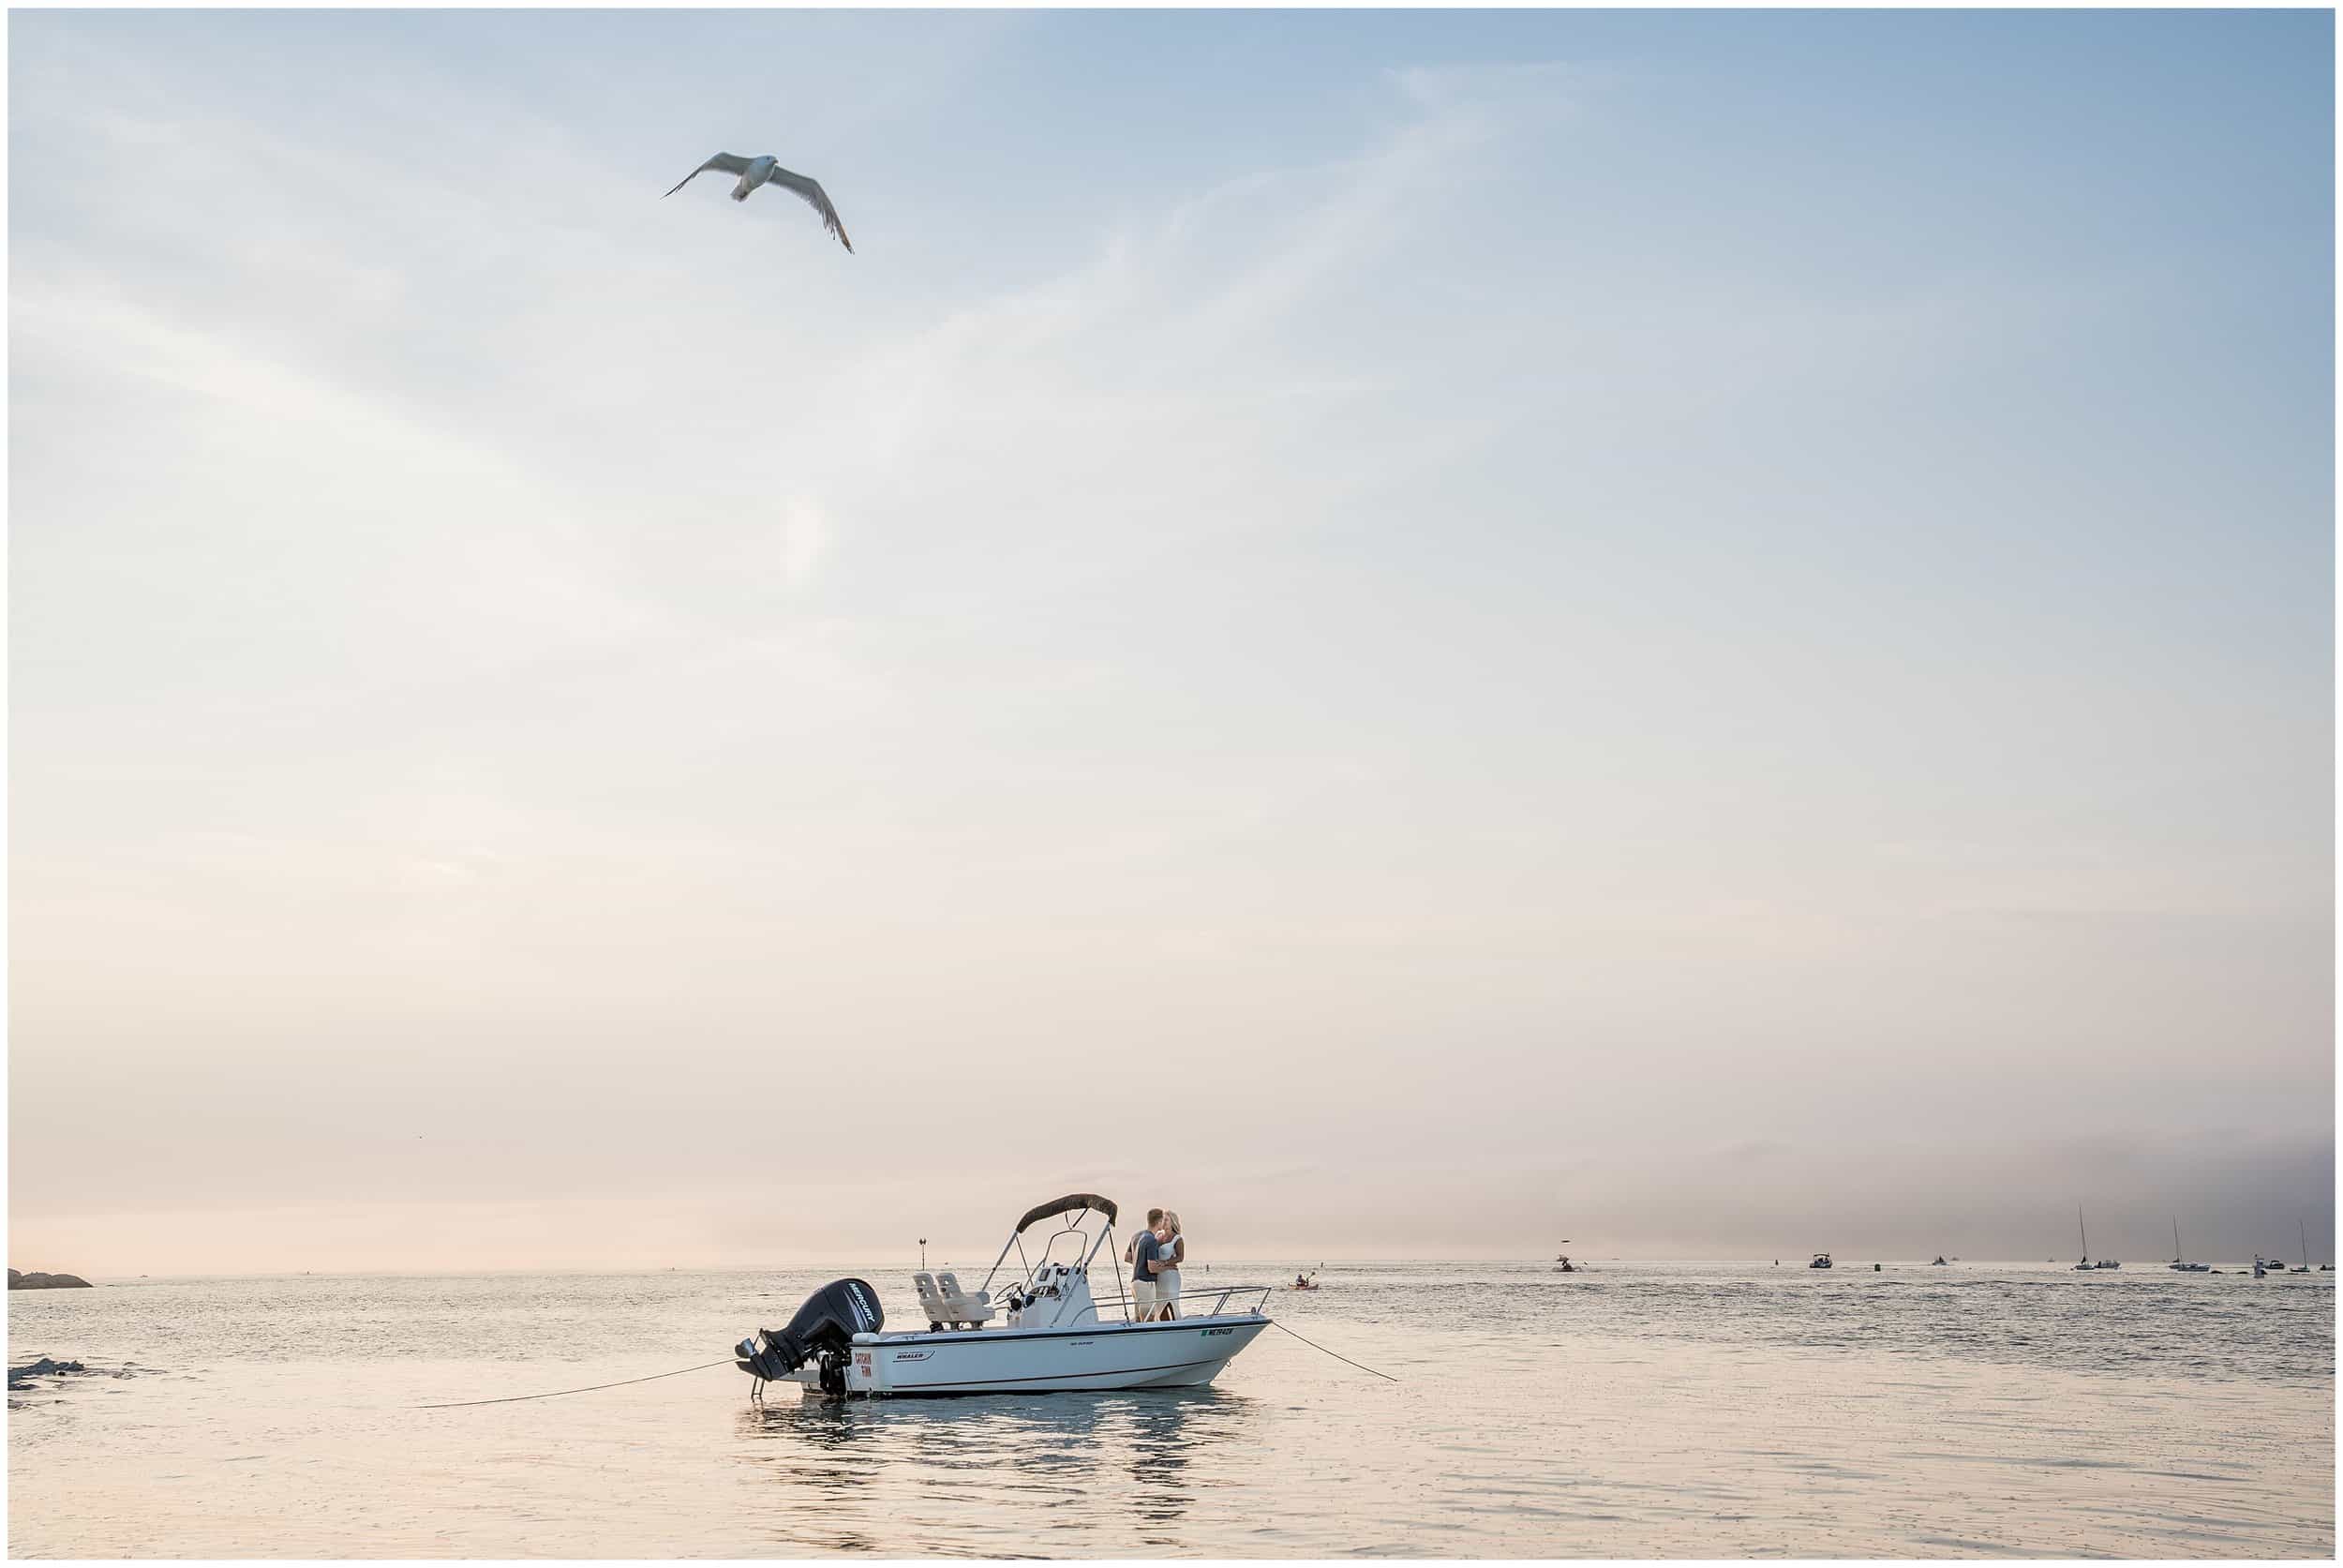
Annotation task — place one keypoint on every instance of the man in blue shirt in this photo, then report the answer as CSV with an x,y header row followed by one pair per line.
x,y
1145,1256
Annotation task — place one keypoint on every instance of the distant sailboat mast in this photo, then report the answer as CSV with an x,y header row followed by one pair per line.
x,y
2180,1260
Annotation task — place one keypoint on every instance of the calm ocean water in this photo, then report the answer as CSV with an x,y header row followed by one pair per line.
x,y
1639,1410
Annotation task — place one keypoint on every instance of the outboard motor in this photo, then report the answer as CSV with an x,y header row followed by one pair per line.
x,y
824,1327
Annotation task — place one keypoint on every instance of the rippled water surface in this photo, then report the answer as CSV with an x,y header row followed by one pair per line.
x,y
1655,1410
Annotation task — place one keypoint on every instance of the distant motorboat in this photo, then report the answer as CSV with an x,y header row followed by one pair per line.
x,y
1821,1260
1566,1265
1939,1263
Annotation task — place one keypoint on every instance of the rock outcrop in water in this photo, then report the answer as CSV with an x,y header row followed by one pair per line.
x,y
21,1379
46,1281
44,1368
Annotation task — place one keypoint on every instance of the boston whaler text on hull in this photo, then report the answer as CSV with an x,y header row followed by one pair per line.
x,y
1053,1338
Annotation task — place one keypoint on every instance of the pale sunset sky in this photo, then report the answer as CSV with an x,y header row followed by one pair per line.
x,y
1413,632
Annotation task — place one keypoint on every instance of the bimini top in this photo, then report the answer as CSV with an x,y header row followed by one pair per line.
x,y
1067,1204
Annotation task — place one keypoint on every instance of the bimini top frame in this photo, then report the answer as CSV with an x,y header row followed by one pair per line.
x,y
1073,1202
1068,1212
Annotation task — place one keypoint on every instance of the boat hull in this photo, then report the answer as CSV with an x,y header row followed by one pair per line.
x,y
1188,1353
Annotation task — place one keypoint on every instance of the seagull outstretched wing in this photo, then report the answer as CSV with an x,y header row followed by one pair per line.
x,y
811,188
729,163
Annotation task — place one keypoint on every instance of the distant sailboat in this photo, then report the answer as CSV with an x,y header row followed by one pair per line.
x,y
2085,1263
2179,1265
2305,1234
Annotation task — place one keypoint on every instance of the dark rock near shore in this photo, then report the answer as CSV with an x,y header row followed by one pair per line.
x,y
44,1368
37,1281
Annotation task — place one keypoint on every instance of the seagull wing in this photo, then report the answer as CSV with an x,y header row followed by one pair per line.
x,y
728,163
811,188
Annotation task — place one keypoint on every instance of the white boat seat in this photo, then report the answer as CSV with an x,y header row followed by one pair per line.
x,y
962,1307
931,1300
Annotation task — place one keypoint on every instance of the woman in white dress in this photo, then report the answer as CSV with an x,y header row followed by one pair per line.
x,y
1168,1283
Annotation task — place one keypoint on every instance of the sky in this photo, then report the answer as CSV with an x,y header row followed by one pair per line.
x,y
1415,634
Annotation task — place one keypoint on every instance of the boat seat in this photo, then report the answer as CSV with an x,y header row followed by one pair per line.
x,y
962,1307
931,1300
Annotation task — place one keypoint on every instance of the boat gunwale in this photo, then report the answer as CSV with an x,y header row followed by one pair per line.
x,y
935,1336
968,1386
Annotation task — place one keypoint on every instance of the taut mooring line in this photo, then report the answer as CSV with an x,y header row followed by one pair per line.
x,y
515,1399
1324,1350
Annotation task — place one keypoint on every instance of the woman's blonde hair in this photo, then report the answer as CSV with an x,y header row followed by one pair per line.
x,y
1171,1217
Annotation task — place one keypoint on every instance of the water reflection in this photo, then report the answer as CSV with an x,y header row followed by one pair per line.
x,y
826,1469
1044,1463
1163,1432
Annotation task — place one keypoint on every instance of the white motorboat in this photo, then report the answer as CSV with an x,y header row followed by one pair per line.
x,y
1052,1335
1821,1260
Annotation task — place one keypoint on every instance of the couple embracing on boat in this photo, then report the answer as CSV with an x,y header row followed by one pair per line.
x,y
1155,1255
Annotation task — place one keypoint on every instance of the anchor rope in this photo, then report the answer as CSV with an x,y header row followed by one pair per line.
x,y
1338,1356
623,1383
515,1399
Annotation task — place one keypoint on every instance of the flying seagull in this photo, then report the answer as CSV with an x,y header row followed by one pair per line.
x,y
755,172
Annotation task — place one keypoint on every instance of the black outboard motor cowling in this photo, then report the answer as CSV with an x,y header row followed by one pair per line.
x,y
824,1326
